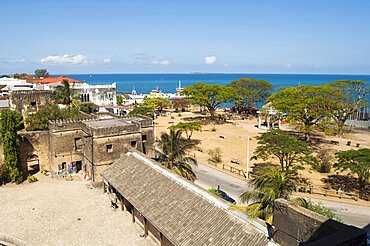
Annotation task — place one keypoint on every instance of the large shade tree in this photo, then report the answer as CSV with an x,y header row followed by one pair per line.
x,y
350,97
281,145
249,91
306,105
209,96
157,103
189,127
358,162
172,150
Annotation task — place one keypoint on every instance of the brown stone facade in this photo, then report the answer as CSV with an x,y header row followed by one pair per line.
x,y
89,145
30,101
92,145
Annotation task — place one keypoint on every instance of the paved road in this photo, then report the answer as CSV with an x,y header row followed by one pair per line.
x,y
208,177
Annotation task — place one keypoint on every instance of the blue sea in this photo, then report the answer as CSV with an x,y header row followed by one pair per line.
x,y
144,83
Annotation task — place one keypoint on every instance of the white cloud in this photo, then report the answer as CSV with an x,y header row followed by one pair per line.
x,y
66,59
226,65
210,59
288,65
17,60
161,62
106,61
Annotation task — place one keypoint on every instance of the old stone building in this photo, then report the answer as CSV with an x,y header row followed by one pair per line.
x,y
29,101
93,144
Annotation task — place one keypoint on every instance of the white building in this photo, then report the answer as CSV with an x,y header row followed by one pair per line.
x,y
10,84
103,95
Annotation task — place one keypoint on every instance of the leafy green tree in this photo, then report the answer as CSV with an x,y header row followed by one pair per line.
x,y
350,97
63,94
189,127
11,122
358,162
305,105
119,99
89,108
142,111
157,103
172,150
283,146
250,91
40,120
180,103
20,75
209,96
41,73
268,185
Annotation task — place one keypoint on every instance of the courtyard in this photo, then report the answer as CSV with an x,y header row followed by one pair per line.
x,y
59,212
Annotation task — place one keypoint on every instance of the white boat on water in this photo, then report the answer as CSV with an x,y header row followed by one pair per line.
x,y
134,98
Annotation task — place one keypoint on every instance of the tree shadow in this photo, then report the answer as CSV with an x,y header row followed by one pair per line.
x,y
347,183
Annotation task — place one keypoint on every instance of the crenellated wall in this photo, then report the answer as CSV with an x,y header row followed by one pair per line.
x,y
102,141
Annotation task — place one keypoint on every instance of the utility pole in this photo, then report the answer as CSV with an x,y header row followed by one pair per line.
x,y
155,127
247,167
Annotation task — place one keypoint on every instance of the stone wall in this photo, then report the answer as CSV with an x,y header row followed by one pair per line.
x,y
99,146
32,143
63,149
35,143
30,100
294,225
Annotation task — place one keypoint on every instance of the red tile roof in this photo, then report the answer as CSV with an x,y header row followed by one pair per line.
x,y
51,79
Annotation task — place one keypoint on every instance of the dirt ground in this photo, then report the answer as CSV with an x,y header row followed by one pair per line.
x,y
59,212
231,138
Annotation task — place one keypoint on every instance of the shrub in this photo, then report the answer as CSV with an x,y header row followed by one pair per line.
x,y
322,162
3,175
89,108
31,178
215,192
321,209
215,155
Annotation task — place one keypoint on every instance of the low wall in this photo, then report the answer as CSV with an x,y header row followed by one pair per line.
x,y
294,225
358,123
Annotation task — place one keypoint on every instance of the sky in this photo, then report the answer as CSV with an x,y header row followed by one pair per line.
x,y
181,36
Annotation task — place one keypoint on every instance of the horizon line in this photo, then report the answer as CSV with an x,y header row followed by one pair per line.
x,y
204,73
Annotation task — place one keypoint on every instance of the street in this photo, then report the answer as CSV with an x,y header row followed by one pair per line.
x,y
208,177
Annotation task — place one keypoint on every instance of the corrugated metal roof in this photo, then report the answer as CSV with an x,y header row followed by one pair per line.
x,y
177,207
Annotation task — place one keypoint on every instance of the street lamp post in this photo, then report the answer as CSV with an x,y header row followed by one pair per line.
x,y
247,167
155,127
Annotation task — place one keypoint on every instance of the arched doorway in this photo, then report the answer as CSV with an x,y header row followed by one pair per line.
x,y
33,164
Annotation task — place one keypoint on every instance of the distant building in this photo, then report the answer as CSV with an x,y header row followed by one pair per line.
x,y
103,95
94,144
174,210
50,83
8,85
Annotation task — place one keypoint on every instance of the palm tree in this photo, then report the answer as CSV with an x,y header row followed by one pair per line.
x,y
63,93
173,153
269,185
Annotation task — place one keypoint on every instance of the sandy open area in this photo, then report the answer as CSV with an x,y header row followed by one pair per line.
x,y
59,212
233,144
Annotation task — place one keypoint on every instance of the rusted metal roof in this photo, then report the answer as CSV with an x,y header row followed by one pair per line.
x,y
176,207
